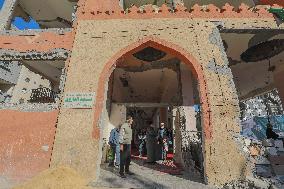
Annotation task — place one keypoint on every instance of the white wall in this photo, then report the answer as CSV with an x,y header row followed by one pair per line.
x,y
27,81
117,116
187,95
156,85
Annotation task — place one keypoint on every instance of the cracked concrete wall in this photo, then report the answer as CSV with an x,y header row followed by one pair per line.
x,y
16,46
201,39
10,71
6,13
278,80
27,81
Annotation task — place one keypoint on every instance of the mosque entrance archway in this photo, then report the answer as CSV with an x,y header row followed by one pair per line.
x,y
155,84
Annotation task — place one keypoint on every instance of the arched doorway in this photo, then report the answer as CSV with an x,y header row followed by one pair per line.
x,y
155,81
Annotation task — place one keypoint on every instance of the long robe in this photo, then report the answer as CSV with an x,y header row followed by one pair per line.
x,y
151,142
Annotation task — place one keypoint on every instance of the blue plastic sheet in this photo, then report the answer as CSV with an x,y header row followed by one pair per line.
x,y
256,127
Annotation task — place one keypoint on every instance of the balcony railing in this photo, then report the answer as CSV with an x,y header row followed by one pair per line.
x,y
43,95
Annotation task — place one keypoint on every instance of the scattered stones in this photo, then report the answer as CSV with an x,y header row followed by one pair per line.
x,y
244,184
263,169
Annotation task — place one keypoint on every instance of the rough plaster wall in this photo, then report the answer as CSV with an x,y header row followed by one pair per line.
x,y
27,81
74,144
26,143
201,39
248,24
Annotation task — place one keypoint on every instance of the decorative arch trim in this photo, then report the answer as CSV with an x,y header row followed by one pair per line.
x,y
165,46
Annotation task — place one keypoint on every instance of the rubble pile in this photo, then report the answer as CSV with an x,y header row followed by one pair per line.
x,y
244,184
265,161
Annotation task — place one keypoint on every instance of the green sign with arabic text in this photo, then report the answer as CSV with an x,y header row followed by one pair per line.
x,y
79,100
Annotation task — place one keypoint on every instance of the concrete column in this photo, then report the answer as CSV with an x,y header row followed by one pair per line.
x,y
278,81
187,96
164,116
6,13
177,136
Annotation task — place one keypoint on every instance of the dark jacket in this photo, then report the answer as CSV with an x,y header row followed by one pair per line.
x,y
271,134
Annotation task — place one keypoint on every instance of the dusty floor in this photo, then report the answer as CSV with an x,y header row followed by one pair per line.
x,y
146,177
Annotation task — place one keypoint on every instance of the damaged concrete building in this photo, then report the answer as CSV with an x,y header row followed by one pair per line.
x,y
190,64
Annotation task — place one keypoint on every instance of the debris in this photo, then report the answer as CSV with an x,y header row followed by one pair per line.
x,y
57,178
271,151
279,144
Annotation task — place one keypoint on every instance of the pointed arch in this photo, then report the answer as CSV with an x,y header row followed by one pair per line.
x,y
165,46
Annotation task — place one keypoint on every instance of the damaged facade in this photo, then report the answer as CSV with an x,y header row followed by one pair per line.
x,y
188,65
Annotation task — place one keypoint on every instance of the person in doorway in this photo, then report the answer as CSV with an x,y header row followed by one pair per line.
x,y
115,147
270,133
151,143
141,142
170,137
125,139
163,141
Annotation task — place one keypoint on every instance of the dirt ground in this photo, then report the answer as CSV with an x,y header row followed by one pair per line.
x,y
58,178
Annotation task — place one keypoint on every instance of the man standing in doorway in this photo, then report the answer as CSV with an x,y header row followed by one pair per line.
x,y
125,139
163,141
